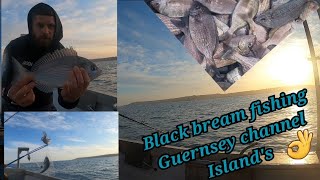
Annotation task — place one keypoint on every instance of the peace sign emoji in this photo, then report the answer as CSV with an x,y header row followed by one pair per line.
x,y
303,144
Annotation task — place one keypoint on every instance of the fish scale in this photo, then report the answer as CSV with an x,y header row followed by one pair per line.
x,y
53,69
167,21
237,26
219,6
203,30
283,14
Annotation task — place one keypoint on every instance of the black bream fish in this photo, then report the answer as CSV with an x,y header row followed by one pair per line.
x,y
53,70
204,34
283,14
242,15
277,35
264,5
221,27
242,44
183,25
172,8
246,62
46,164
167,21
45,138
203,29
220,6
276,3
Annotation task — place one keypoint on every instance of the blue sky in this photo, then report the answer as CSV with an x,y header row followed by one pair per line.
x,y
73,134
151,59
153,64
89,26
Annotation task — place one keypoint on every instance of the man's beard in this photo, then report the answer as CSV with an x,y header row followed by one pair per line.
x,y
43,42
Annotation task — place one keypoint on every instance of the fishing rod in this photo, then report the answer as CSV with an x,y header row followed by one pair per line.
x,y
10,117
144,124
37,149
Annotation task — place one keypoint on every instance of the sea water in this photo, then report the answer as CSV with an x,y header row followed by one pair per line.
x,y
167,115
107,82
78,169
104,84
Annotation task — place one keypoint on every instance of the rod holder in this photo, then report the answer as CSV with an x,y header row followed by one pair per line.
x,y
21,149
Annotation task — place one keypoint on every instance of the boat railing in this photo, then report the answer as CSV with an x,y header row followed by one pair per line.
x,y
314,60
281,167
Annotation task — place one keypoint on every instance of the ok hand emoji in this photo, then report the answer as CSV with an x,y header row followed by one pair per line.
x,y
304,145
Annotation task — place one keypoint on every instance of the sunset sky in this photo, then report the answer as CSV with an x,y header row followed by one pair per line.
x,y
90,27
72,134
153,64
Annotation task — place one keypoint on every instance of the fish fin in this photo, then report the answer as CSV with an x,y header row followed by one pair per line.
x,y
44,88
212,69
225,36
227,54
182,24
18,70
52,57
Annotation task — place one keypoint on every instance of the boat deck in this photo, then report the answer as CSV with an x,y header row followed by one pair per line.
x,y
21,174
134,162
90,101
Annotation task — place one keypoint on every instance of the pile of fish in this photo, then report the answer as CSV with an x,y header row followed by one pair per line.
x,y
228,37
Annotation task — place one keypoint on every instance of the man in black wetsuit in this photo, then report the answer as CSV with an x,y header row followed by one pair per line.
x,y
45,33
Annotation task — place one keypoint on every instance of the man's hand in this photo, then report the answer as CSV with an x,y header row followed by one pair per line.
x,y
76,86
22,93
303,144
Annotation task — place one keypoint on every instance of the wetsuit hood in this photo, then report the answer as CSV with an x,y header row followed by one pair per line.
x,y
45,9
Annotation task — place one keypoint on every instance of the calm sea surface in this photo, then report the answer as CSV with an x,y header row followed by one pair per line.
x,y
166,115
107,82
91,168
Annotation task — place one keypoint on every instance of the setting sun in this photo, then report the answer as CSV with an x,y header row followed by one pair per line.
x,y
291,65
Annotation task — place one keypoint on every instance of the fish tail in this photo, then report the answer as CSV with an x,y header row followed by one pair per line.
x,y
18,70
212,69
180,24
224,36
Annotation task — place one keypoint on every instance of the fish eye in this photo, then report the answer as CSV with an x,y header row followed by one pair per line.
x,y
93,68
263,19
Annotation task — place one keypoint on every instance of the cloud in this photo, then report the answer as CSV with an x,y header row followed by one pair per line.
x,y
23,144
87,26
68,138
126,51
74,139
103,122
42,121
140,80
112,130
9,4
57,153
161,69
65,6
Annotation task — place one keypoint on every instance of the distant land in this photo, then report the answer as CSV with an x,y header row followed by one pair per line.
x,y
106,155
104,59
243,93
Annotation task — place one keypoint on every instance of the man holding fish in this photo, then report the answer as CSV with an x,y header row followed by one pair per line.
x,y
36,63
